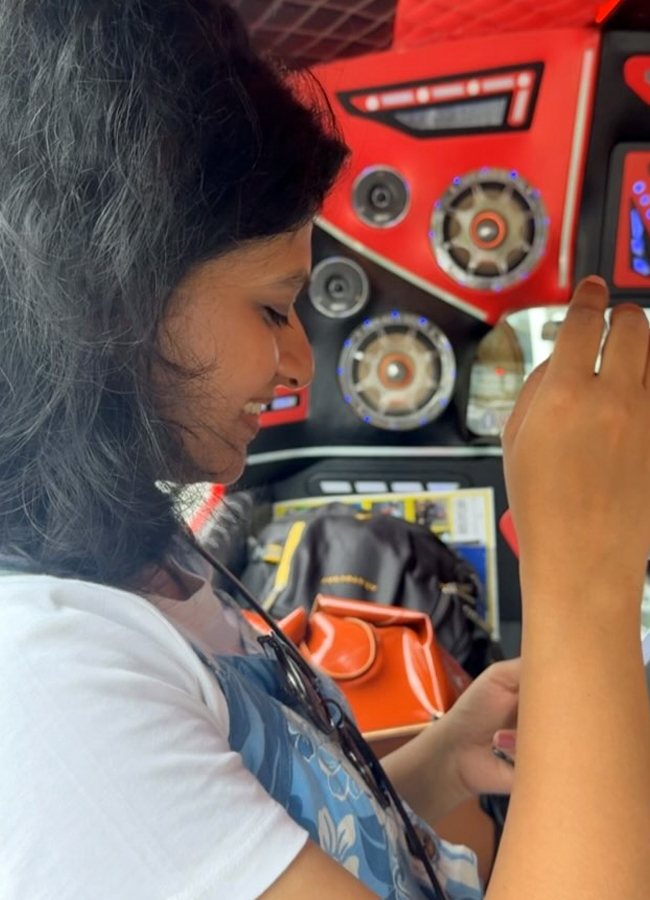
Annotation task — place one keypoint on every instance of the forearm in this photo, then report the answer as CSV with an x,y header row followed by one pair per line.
x,y
579,818
422,770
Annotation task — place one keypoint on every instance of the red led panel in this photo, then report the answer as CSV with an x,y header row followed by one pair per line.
x,y
287,406
632,253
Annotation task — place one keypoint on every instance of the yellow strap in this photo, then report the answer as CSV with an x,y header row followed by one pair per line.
x,y
284,566
272,553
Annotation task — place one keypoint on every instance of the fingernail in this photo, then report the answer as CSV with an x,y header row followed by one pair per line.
x,y
596,280
505,740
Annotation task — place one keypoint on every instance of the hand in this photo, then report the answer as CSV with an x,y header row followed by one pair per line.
x,y
484,717
577,456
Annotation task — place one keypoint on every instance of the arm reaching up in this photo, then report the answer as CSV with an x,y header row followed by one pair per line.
x,y
577,462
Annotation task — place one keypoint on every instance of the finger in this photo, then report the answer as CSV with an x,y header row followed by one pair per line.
x,y
506,740
580,335
625,354
507,672
503,756
526,394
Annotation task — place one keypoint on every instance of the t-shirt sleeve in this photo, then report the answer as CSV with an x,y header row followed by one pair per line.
x,y
116,778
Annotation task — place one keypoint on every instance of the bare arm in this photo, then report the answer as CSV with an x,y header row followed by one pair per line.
x,y
578,473
577,456
315,874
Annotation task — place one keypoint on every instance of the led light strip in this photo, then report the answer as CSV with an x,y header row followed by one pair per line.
x,y
373,452
580,133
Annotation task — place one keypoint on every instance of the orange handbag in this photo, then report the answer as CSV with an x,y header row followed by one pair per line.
x,y
385,660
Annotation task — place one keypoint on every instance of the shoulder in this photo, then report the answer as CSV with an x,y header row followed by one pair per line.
x,y
119,738
88,633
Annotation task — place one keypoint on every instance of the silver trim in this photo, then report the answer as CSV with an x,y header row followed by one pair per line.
x,y
364,295
371,334
423,284
580,130
357,207
513,185
373,452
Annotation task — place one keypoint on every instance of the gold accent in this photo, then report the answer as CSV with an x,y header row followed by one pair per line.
x,y
272,553
349,579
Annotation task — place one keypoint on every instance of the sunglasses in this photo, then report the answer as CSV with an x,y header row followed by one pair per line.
x,y
300,682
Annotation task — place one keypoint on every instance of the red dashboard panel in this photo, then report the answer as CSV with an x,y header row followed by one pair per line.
x,y
632,248
481,145
425,21
636,72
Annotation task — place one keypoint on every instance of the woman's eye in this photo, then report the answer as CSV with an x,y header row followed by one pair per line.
x,y
275,317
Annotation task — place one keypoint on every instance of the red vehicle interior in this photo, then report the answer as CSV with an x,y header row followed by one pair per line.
x,y
499,153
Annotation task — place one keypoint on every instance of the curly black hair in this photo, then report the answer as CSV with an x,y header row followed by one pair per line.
x,y
137,139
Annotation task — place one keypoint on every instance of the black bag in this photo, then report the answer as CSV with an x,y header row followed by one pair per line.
x,y
336,550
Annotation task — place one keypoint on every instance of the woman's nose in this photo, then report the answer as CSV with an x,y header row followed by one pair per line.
x,y
296,361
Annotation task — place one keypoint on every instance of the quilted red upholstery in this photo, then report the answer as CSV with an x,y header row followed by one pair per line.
x,y
421,22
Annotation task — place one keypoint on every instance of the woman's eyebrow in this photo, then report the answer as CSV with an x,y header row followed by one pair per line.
x,y
296,280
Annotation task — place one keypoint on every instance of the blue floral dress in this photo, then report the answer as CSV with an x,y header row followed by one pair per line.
x,y
306,772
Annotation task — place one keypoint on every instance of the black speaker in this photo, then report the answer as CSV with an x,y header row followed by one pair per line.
x,y
380,197
338,287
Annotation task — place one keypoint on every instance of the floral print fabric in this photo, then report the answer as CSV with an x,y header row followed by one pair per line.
x,y
305,771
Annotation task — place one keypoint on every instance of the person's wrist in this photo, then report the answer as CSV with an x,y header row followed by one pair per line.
x,y
448,768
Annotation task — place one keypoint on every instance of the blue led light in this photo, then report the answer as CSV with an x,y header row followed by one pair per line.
x,y
485,170
367,419
514,174
645,200
422,422
637,246
348,398
547,221
340,370
395,314
636,225
647,215
639,187
347,342
641,267
457,180
437,204
367,322
497,288
423,321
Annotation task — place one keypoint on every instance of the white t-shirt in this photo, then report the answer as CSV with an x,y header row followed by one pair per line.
x,y
116,779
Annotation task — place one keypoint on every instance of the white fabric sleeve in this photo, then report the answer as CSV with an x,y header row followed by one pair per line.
x,y
116,778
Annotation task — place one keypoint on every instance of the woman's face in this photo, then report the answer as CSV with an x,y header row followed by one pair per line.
x,y
233,321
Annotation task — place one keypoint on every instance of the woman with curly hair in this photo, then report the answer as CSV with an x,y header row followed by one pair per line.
x,y
158,182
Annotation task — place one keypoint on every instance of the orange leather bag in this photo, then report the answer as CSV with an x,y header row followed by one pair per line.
x,y
385,660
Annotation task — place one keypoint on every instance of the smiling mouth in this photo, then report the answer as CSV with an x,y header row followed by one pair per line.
x,y
254,409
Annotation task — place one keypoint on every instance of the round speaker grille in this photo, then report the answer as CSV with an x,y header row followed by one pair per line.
x,y
489,229
338,287
380,197
397,372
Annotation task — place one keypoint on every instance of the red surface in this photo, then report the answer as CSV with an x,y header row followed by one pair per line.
x,y
636,72
507,529
636,168
419,22
540,154
297,412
